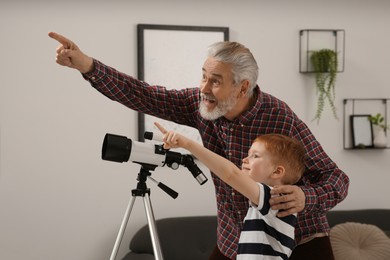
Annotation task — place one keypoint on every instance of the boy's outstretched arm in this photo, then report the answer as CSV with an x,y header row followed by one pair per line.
x,y
223,168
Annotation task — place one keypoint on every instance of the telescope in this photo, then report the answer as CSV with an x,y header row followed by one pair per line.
x,y
121,149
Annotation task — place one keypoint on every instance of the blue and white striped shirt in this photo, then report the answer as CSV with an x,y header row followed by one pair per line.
x,y
264,235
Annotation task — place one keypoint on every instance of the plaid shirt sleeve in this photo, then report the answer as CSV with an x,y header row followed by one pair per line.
x,y
149,99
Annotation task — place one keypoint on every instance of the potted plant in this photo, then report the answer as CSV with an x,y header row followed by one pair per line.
x,y
325,64
378,121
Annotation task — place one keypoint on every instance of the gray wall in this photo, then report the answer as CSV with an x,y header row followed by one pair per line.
x,y
59,200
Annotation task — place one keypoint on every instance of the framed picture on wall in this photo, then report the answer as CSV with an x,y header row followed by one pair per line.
x,y
172,56
362,134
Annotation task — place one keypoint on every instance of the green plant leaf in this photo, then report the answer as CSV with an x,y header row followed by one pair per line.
x,y
325,67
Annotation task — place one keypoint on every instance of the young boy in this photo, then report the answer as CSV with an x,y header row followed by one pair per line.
x,y
273,159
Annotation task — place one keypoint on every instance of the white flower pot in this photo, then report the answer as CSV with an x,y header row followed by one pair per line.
x,y
380,139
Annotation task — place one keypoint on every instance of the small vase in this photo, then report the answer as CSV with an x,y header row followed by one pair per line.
x,y
380,140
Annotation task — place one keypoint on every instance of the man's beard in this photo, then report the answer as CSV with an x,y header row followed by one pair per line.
x,y
223,107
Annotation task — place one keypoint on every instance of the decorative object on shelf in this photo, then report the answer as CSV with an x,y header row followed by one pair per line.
x,y
380,139
361,128
325,67
317,39
379,120
377,112
322,51
380,127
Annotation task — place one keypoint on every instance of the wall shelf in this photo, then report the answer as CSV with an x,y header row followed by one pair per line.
x,y
362,106
317,39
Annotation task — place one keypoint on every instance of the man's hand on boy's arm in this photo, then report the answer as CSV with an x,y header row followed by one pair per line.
x,y
291,201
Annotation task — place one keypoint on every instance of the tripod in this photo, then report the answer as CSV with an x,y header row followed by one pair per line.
x,y
144,192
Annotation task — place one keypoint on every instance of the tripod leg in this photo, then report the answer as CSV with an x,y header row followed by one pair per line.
x,y
152,228
122,229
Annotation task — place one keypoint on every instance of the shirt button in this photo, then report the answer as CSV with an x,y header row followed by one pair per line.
x,y
233,194
231,129
93,78
230,154
239,212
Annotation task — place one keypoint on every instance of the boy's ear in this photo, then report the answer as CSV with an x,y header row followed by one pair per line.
x,y
278,172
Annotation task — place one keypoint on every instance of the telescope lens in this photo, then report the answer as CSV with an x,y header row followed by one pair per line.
x,y
116,148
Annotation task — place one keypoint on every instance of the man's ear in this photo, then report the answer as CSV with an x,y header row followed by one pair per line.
x,y
279,172
244,87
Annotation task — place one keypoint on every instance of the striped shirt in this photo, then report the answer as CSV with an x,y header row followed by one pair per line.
x,y
323,183
264,235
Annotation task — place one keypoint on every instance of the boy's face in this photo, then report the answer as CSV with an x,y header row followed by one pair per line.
x,y
258,164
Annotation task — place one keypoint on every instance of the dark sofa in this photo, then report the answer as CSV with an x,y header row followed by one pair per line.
x,y
377,217
193,238
189,238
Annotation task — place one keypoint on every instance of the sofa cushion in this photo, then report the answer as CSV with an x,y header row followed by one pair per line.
x,y
377,217
357,241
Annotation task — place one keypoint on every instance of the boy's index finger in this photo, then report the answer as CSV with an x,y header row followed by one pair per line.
x,y
160,127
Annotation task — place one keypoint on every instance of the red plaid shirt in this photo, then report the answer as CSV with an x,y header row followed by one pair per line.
x,y
323,183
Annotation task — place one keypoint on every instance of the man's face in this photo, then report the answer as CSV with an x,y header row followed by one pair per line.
x,y
218,93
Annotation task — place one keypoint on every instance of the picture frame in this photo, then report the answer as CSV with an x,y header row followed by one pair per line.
x,y
163,50
362,132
